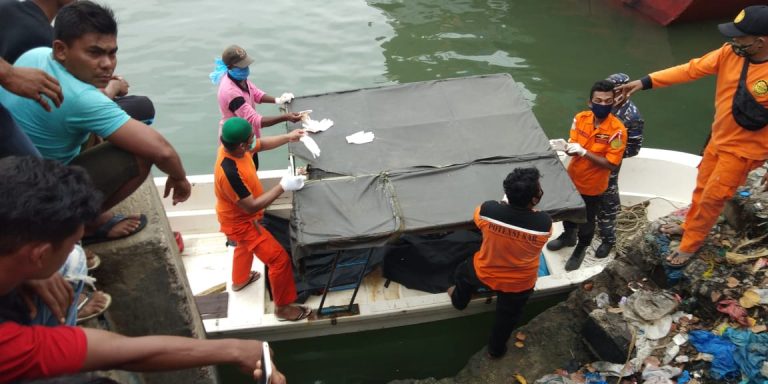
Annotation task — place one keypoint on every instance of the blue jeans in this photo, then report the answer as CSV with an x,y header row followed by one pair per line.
x,y
13,141
74,270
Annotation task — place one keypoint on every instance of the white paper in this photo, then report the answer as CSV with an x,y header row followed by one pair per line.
x,y
311,145
360,137
558,144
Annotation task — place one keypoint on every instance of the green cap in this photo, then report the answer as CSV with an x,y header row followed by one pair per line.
x,y
236,130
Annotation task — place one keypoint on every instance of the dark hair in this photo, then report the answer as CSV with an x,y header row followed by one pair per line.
x,y
601,86
82,17
229,146
43,200
521,186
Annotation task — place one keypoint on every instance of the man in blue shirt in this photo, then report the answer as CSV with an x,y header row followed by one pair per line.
x,y
83,59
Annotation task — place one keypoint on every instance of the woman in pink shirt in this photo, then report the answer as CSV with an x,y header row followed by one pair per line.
x,y
238,96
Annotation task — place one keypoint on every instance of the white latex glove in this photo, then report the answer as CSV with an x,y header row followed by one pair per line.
x,y
292,183
284,98
311,145
575,149
315,126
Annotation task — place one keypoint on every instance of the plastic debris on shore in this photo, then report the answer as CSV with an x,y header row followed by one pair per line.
x,y
704,322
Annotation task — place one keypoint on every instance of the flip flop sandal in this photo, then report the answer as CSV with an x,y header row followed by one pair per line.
x,y
94,261
89,298
101,234
677,266
305,313
253,277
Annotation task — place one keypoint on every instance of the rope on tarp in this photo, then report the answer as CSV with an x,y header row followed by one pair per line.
x,y
397,211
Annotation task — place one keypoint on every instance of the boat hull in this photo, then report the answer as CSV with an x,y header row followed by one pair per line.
x,y
666,12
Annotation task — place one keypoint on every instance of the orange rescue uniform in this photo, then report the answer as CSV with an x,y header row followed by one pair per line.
x,y
732,151
607,140
235,178
508,259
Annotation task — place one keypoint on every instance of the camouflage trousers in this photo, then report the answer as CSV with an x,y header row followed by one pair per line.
x,y
609,208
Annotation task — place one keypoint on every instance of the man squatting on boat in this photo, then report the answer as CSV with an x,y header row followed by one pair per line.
x,y
508,259
596,146
739,139
44,206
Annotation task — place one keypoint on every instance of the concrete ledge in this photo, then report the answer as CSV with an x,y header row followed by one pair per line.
x,y
148,283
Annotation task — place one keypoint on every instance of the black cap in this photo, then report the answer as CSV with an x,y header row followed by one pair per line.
x,y
752,21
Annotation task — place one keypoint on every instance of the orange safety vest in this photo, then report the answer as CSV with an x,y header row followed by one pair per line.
x,y
607,140
235,178
508,259
727,135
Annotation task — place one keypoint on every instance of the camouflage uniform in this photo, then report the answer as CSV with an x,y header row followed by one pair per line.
x,y
610,204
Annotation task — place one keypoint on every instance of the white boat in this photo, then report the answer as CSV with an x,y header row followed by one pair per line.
x,y
665,179
444,152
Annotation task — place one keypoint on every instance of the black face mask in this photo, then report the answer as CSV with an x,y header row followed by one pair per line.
x,y
741,50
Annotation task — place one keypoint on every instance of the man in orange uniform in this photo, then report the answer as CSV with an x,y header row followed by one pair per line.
x,y
739,139
597,142
508,259
240,203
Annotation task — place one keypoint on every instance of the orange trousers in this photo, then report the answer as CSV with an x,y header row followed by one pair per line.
x,y
271,253
720,174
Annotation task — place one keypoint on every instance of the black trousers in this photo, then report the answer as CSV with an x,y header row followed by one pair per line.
x,y
509,306
586,230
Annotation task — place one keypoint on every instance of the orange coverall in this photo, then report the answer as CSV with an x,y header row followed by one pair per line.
x,y
235,179
732,151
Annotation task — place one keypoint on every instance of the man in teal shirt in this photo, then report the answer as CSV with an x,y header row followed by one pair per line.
x,y
83,59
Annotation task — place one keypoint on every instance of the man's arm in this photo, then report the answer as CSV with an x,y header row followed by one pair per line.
x,y
271,142
30,83
107,350
252,204
269,121
600,161
146,143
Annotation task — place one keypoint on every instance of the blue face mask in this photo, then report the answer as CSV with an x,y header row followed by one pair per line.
x,y
239,73
601,111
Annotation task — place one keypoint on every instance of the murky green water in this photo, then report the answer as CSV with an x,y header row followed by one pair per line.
x,y
554,49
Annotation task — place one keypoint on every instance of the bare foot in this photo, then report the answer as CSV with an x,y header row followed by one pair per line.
x,y
672,229
450,290
122,228
89,308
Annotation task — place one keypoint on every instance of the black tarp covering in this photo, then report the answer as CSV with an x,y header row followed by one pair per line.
x,y
441,148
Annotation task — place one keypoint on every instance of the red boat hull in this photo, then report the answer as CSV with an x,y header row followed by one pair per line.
x,y
666,12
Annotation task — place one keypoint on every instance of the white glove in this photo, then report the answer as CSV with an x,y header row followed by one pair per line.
x,y
311,145
315,126
575,149
292,183
284,98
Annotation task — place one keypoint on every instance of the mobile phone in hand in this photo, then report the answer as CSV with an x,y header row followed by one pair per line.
x,y
266,364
